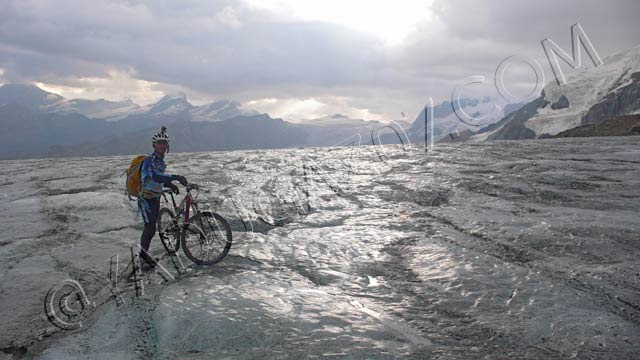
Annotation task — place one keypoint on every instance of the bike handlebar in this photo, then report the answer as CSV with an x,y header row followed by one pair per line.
x,y
189,187
192,186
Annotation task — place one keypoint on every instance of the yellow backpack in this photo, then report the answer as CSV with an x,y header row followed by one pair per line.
x,y
134,181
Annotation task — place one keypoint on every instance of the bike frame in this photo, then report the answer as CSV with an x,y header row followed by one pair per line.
x,y
184,207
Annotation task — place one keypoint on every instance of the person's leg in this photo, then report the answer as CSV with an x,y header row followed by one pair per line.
x,y
149,209
145,240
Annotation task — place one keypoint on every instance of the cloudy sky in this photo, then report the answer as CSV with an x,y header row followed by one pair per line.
x,y
294,59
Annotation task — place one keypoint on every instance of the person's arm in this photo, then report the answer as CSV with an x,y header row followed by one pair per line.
x,y
145,171
166,178
148,171
160,177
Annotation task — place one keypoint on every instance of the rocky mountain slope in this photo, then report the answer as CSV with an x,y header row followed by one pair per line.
x,y
590,96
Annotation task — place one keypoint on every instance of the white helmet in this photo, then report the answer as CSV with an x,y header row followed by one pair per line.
x,y
162,135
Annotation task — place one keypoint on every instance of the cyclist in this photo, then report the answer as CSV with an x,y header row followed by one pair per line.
x,y
154,177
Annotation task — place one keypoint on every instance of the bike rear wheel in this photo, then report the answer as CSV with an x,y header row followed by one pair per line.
x,y
168,230
207,239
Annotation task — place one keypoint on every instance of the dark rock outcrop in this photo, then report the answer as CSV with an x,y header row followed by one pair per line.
x,y
514,127
617,126
562,103
618,102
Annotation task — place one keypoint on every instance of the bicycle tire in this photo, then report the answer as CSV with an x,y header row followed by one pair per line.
x,y
171,245
213,225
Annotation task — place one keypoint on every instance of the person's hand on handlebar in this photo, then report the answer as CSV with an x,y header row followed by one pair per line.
x,y
173,188
180,179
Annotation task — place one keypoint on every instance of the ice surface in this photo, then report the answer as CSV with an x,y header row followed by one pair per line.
x,y
506,249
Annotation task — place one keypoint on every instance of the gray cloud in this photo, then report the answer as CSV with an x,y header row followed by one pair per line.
x,y
227,49
207,47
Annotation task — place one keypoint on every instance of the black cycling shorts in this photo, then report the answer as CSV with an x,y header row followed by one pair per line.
x,y
149,209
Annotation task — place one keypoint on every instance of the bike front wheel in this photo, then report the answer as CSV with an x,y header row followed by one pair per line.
x,y
207,239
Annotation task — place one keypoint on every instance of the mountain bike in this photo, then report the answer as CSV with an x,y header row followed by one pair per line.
x,y
205,236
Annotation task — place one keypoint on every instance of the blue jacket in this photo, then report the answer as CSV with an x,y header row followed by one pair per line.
x,y
153,176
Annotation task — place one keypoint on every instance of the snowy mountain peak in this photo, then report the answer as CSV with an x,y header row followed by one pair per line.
x,y
100,108
172,97
220,110
170,104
